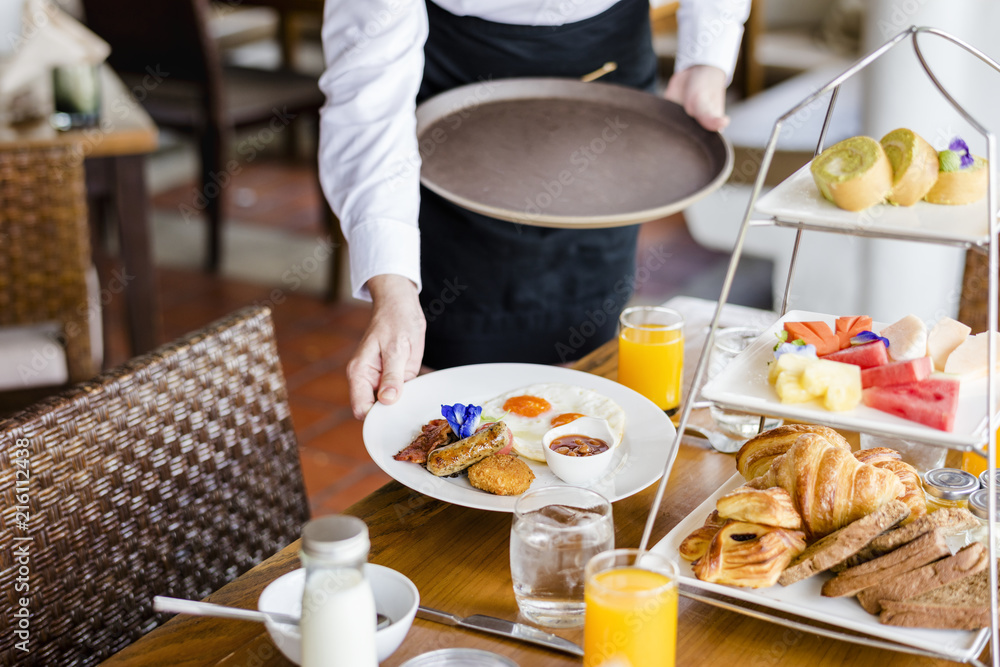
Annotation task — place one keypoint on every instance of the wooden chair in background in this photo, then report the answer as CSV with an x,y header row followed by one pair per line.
x,y
171,475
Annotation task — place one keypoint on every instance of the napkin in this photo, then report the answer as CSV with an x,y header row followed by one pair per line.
x,y
47,37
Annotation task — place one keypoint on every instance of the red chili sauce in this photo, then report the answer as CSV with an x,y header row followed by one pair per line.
x,y
578,445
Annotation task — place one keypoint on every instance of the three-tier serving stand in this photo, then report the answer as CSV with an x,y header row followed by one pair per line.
x,y
987,243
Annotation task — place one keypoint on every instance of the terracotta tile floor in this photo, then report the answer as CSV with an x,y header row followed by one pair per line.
x,y
316,339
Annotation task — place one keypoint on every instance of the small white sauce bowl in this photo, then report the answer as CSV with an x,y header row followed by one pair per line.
x,y
580,469
395,596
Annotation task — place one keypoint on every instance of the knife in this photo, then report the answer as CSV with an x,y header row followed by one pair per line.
x,y
498,626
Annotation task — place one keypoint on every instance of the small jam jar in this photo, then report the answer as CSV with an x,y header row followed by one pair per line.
x,y
978,507
948,487
984,478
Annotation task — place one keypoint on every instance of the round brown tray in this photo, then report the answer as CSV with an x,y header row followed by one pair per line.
x,y
563,153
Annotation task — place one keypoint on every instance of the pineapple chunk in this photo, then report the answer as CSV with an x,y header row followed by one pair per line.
x,y
790,389
838,383
789,363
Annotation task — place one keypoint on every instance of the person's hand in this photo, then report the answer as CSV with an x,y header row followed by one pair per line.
x,y
390,351
701,90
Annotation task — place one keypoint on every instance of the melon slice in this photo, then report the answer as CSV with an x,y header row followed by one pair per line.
x,y
944,337
969,359
847,328
899,372
814,333
932,402
907,338
864,356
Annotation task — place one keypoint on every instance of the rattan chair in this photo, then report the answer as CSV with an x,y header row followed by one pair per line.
x,y
170,475
45,247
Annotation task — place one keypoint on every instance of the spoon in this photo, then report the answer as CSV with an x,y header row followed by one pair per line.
x,y
195,608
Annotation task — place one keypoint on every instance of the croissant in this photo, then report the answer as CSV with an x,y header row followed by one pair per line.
x,y
829,486
756,454
767,507
748,555
696,544
889,459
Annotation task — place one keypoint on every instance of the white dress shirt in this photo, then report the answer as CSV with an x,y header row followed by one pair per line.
x,y
369,160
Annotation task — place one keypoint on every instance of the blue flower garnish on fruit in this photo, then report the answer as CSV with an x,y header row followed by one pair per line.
x,y
959,146
868,337
795,348
463,419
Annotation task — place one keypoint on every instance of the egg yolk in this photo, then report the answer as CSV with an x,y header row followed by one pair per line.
x,y
527,406
565,418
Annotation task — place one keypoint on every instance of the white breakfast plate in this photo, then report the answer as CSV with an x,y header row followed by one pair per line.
x,y
638,462
743,385
796,200
804,598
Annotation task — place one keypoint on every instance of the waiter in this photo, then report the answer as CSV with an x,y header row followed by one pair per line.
x,y
459,287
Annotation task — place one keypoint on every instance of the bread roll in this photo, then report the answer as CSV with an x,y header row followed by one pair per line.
x,y
914,166
853,174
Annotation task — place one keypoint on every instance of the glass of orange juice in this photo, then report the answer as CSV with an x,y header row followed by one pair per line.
x,y
651,354
631,610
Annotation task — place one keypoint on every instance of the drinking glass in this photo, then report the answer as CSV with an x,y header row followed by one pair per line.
x,y
631,616
729,343
555,531
76,93
651,354
920,456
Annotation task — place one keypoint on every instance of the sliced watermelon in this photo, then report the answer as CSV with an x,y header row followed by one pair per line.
x,y
848,327
899,372
931,402
815,333
868,355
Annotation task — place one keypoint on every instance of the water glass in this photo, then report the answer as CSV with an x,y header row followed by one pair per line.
x,y
76,91
920,456
555,531
729,343
651,354
631,616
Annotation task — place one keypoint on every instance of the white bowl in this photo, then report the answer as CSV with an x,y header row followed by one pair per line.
x,y
580,469
395,596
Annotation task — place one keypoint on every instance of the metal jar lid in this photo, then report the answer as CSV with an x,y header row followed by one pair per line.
x,y
984,477
978,501
950,483
459,657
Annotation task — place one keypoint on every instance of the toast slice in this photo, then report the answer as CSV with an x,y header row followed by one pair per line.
x,y
844,543
963,604
925,549
950,520
968,561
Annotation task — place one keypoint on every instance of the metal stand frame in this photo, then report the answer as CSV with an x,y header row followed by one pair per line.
x,y
912,33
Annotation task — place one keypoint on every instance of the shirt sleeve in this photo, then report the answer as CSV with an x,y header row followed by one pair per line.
x,y
709,33
369,162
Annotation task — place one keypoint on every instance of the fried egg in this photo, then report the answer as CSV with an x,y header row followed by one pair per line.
x,y
531,411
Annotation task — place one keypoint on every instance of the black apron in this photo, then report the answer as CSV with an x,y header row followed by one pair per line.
x,y
499,291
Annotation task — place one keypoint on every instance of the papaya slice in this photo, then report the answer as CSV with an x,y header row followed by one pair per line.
x,y
814,333
849,327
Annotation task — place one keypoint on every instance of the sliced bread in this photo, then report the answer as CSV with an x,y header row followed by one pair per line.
x,y
950,521
963,604
925,549
844,543
968,561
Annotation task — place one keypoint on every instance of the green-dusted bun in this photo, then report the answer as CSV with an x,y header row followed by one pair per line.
x,y
853,174
914,166
962,186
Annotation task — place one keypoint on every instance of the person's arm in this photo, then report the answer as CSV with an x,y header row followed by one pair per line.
x,y
709,34
370,168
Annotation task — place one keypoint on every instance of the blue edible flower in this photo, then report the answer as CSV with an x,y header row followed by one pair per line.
x,y
463,419
795,348
868,337
959,146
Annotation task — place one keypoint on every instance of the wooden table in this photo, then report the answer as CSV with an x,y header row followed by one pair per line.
x,y
114,156
459,560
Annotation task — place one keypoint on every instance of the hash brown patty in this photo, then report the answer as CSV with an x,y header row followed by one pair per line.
x,y
501,475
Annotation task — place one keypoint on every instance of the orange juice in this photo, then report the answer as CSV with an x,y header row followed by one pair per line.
x,y
631,615
651,361
976,464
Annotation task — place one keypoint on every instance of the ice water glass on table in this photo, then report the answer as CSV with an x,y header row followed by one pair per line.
x,y
631,616
728,344
651,354
555,531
